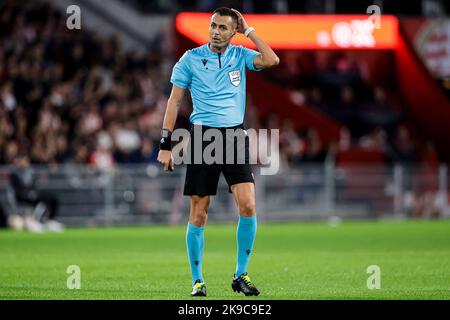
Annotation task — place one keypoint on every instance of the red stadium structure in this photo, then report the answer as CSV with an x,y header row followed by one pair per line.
x,y
389,56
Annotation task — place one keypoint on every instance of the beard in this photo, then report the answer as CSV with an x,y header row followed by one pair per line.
x,y
217,46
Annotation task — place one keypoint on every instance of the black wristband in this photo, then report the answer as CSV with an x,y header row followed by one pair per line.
x,y
166,141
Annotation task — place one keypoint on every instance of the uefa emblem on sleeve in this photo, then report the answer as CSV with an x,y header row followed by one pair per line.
x,y
235,77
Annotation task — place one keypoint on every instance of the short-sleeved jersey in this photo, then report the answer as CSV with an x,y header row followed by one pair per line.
x,y
216,82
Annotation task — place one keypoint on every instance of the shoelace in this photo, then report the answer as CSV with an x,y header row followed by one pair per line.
x,y
246,279
198,285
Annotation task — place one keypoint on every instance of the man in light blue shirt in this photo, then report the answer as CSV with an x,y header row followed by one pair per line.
x,y
217,83
215,74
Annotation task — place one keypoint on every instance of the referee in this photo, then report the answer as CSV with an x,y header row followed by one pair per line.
x,y
215,76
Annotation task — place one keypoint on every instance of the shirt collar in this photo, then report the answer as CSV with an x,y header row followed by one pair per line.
x,y
215,53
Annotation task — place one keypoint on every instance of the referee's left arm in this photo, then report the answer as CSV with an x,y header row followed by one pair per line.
x,y
268,57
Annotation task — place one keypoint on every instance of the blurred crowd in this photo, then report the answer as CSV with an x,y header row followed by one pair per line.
x,y
69,96
413,7
335,84
75,96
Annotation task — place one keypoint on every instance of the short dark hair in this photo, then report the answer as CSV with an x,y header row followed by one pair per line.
x,y
224,11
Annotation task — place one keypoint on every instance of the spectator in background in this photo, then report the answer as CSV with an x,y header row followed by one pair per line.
x,y
21,128
44,149
378,112
44,203
291,145
403,147
6,128
346,66
102,157
91,122
315,149
375,140
80,153
10,152
345,140
316,98
147,153
7,96
127,141
347,109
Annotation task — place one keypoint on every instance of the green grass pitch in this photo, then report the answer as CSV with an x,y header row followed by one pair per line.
x,y
291,261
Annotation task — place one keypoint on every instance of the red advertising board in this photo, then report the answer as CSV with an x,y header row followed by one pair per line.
x,y
304,31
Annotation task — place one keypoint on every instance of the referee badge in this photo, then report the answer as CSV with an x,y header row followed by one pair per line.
x,y
235,77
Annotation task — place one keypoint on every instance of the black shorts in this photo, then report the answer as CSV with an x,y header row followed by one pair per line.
x,y
202,178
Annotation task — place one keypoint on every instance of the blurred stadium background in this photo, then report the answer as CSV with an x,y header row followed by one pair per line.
x,y
364,115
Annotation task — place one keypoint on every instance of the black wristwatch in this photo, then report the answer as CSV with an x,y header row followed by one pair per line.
x,y
166,140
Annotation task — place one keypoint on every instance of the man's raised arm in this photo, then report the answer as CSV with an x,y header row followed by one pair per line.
x,y
268,57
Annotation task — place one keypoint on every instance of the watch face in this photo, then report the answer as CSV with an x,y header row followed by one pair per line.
x,y
164,133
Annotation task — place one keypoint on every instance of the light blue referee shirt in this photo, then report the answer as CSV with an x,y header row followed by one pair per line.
x,y
216,82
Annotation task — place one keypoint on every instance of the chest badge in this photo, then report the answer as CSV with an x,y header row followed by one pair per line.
x,y
235,77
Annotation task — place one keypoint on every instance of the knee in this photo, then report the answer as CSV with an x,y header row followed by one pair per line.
x,y
199,212
199,217
247,208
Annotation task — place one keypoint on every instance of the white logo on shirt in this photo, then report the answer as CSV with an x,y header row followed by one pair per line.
x,y
235,77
